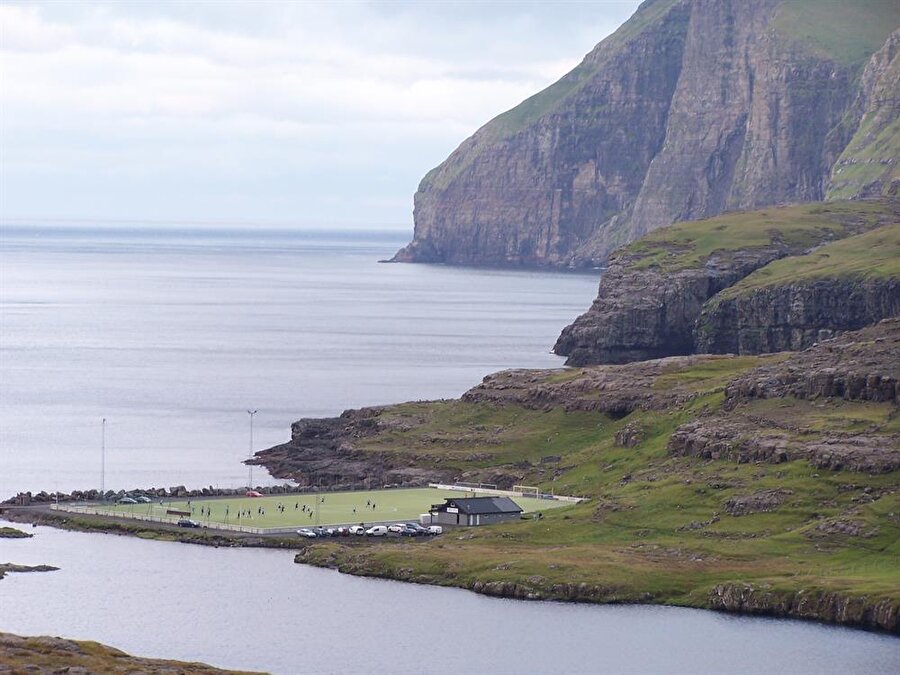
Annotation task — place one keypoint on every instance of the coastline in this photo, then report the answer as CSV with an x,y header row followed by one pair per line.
x,y
356,559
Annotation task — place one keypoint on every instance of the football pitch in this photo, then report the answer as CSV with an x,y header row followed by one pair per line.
x,y
300,510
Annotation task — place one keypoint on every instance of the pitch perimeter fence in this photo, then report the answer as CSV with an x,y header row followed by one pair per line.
x,y
482,487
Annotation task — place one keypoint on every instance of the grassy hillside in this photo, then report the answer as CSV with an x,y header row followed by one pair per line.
x,y
846,32
798,227
872,255
658,527
546,101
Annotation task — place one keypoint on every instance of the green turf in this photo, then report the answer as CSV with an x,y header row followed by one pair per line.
x,y
847,32
690,244
335,508
873,255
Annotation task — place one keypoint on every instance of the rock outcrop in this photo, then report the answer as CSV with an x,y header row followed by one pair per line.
x,y
658,297
324,453
692,108
793,303
793,317
613,390
45,655
860,366
815,604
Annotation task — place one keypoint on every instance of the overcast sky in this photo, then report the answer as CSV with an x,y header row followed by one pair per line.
x,y
295,114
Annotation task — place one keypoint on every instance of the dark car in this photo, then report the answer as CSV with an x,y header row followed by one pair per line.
x,y
408,532
187,522
419,530
321,532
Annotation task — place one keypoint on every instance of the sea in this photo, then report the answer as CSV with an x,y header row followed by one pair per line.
x,y
173,335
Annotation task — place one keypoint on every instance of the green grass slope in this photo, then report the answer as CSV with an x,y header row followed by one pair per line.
x,y
872,255
690,244
846,32
658,528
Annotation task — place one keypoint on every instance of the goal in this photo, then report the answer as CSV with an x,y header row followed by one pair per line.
x,y
528,491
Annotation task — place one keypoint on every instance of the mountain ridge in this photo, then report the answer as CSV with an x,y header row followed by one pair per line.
x,y
690,109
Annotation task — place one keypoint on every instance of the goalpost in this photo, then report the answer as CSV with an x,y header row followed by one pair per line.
x,y
527,491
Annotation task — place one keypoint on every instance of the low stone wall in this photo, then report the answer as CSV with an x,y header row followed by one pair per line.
x,y
178,492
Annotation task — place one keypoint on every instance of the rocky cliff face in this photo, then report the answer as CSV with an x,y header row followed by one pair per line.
x,y
870,164
660,296
795,316
857,366
651,313
692,108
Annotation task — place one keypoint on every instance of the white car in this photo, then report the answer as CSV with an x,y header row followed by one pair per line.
x,y
306,532
396,528
357,529
435,529
377,531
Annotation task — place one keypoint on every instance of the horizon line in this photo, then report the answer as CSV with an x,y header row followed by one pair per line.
x,y
170,222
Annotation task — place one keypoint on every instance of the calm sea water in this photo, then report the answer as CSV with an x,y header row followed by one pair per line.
x,y
173,336
257,609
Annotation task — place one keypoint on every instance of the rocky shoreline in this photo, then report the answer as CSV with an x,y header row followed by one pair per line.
x,y
734,598
739,598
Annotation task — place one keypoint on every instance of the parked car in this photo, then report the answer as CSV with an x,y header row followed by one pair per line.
x,y
142,499
377,531
408,532
435,529
321,532
396,528
341,532
187,522
306,532
127,500
358,530
419,530
252,493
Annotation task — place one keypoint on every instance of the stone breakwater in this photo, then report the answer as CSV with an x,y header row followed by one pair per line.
x,y
178,492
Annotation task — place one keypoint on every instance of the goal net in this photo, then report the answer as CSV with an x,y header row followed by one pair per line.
x,y
527,491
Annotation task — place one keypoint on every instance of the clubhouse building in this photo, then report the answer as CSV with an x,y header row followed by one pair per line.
x,y
475,511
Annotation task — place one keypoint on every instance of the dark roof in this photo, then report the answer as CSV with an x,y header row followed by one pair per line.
x,y
482,505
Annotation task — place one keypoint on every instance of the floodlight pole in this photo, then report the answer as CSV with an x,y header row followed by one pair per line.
x,y
103,459
250,466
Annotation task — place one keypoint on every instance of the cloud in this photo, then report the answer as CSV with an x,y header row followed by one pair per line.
x,y
104,108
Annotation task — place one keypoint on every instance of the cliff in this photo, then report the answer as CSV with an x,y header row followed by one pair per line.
x,y
870,164
744,283
792,303
690,109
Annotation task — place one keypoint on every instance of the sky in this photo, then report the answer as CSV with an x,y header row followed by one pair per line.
x,y
276,114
